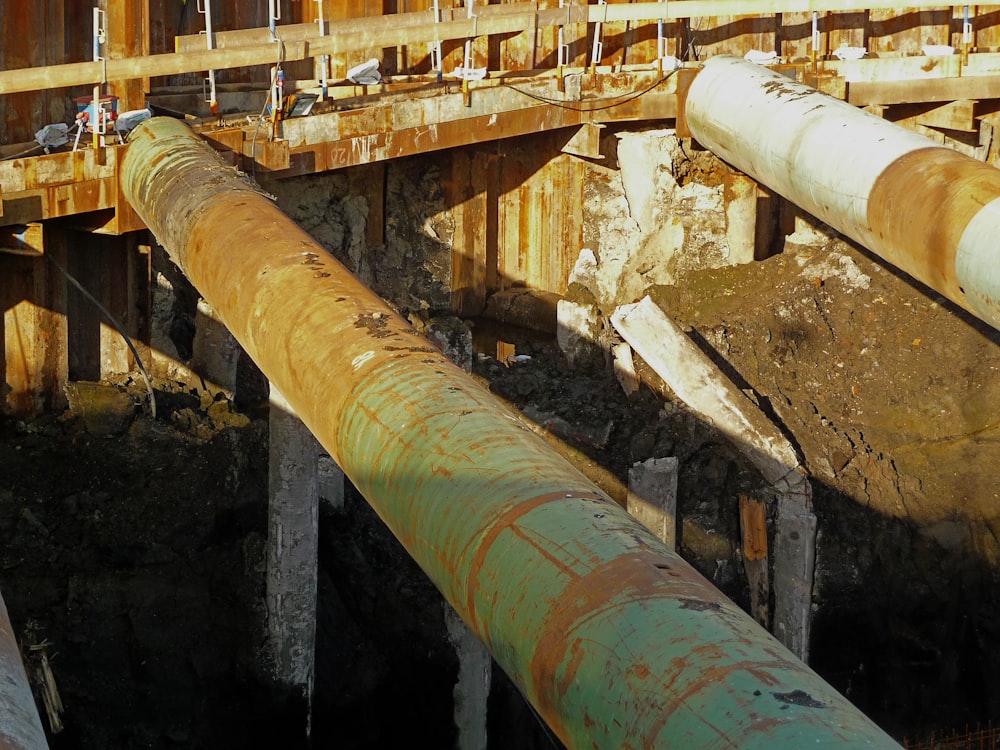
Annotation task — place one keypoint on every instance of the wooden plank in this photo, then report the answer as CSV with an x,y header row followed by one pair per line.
x,y
127,34
114,253
389,34
585,142
126,219
466,192
753,527
685,77
958,115
928,90
83,318
32,306
22,240
905,30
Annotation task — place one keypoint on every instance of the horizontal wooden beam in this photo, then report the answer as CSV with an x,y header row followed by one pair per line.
x,y
300,31
864,93
960,115
395,30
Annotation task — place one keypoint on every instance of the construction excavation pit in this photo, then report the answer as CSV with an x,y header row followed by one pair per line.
x,y
508,375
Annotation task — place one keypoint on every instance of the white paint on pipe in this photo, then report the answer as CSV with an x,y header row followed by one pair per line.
x,y
818,152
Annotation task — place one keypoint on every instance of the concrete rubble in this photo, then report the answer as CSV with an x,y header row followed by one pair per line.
x,y
702,386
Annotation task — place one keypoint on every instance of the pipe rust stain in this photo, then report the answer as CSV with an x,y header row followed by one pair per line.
x,y
501,524
919,207
583,599
376,324
561,648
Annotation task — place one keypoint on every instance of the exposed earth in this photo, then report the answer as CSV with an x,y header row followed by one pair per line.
x,y
134,546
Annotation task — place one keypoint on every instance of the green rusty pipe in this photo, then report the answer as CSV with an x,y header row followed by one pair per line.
x,y
616,641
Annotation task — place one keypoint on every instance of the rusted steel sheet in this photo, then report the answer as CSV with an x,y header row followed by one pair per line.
x,y
391,144
905,30
613,638
926,209
64,184
35,34
21,728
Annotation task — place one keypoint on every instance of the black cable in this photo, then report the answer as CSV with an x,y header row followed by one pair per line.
x,y
616,101
118,327
22,153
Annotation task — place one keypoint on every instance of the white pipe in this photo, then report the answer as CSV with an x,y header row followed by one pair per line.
x,y
467,63
213,101
661,37
324,60
562,49
436,61
924,208
273,16
97,119
598,50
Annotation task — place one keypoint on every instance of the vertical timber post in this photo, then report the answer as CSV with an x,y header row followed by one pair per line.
x,y
468,251
33,313
292,543
115,272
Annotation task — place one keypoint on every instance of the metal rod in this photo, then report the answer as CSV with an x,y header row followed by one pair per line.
x,y
324,60
273,16
97,120
926,209
21,727
213,103
436,62
613,638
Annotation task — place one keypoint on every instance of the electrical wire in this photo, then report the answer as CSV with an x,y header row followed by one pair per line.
x,y
23,153
118,327
692,50
615,101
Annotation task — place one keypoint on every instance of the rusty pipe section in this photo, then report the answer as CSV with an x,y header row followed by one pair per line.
x,y
20,725
924,208
615,640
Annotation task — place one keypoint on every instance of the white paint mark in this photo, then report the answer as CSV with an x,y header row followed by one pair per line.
x,y
358,361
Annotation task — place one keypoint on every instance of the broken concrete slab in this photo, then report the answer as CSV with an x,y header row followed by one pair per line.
x,y
696,380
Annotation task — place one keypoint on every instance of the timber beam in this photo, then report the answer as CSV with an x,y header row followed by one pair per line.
x,y
67,184
396,30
